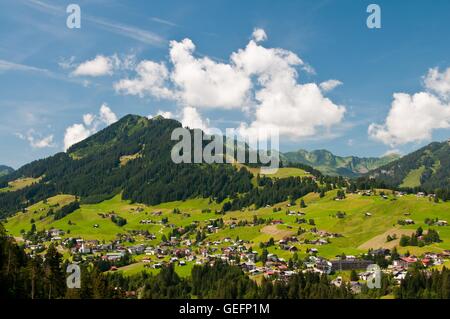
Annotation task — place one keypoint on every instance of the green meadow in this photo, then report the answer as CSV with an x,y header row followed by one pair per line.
x,y
359,232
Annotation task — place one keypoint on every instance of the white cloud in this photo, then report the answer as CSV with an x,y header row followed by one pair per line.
x,y
330,85
106,115
99,66
259,35
438,82
257,79
295,110
390,152
412,118
88,119
74,134
201,82
166,114
36,140
192,119
91,124
151,79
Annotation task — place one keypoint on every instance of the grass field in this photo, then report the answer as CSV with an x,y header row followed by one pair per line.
x,y
20,183
413,178
359,232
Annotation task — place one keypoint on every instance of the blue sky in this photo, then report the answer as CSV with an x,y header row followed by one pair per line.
x,y
46,87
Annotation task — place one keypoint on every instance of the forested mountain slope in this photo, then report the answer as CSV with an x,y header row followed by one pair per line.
x,y
131,156
427,168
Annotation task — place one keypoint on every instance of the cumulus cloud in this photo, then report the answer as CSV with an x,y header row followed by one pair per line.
x,y
330,85
99,66
165,114
204,83
74,134
91,124
438,82
262,80
151,79
259,35
294,109
413,118
191,118
36,140
392,152
106,115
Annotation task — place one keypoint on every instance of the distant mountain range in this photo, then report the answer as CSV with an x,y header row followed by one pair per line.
x,y
330,164
5,170
428,168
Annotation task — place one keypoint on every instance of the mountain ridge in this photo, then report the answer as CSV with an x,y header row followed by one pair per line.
x,y
330,164
5,170
427,168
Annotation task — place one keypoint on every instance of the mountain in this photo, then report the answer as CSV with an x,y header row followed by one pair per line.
x,y
330,164
131,157
427,168
5,170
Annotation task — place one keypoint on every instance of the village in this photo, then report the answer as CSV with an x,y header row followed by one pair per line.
x,y
190,245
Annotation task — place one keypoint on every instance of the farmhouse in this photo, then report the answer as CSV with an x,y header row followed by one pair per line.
x,y
441,223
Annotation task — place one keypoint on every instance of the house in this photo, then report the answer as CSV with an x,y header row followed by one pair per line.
x,y
323,266
337,282
350,264
405,262
441,223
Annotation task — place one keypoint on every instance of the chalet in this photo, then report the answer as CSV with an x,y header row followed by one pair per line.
x,y
405,262
368,214
426,262
323,266
247,266
55,232
277,222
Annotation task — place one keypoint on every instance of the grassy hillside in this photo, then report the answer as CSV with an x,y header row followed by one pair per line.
x,y
20,183
428,167
358,231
